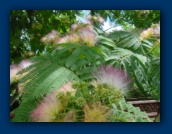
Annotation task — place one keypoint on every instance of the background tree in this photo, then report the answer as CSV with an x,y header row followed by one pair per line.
x,y
138,18
28,26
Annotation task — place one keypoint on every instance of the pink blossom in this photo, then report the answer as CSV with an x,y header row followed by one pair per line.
x,y
89,22
67,87
51,106
113,77
97,18
47,110
25,63
43,39
88,36
74,26
63,39
100,19
14,69
52,35
96,112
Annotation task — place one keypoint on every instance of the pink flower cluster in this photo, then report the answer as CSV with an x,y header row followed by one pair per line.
x,y
88,36
97,19
51,37
15,68
51,106
79,33
47,110
113,77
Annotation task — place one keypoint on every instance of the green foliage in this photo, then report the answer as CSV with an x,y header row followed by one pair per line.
x,y
52,70
130,41
138,18
154,78
87,98
128,113
136,58
132,63
22,114
98,92
28,26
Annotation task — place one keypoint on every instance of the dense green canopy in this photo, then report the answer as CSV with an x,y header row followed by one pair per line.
x,y
28,26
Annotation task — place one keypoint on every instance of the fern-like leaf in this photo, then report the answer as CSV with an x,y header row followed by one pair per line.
x,y
50,73
128,113
132,63
23,112
130,41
